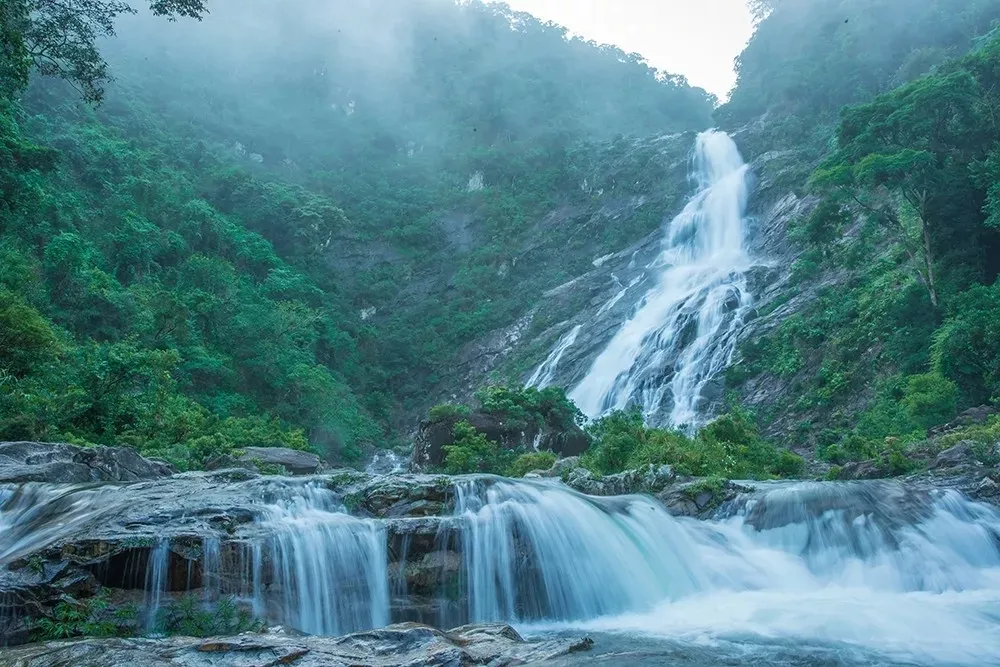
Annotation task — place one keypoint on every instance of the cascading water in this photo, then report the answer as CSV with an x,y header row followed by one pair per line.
x,y
871,570
682,333
546,372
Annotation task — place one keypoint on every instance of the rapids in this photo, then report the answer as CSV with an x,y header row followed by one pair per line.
x,y
867,572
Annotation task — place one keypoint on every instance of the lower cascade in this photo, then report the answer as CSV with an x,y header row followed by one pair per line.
x,y
868,564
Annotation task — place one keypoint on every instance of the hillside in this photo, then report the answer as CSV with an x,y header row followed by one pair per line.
x,y
289,243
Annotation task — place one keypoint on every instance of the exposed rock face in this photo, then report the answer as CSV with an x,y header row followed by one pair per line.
x,y
294,461
68,464
408,645
432,437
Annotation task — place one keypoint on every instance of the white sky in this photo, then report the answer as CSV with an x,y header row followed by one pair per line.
x,y
697,38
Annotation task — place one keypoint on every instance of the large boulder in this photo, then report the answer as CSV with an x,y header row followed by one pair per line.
x,y
294,461
434,436
407,644
960,454
57,463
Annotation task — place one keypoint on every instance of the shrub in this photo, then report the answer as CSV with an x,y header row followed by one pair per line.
x,y
190,618
472,452
930,398
91,618
446,412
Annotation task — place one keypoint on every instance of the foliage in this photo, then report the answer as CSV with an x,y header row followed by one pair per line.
x,y
60,38
728,447
530,407
907,336
191,266
529,461
189,617
446,412
471,451
92,618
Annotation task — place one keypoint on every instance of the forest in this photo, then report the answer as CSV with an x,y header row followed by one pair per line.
x,y
208,243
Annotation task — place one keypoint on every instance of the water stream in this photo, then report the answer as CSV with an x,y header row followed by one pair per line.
x,y
867,569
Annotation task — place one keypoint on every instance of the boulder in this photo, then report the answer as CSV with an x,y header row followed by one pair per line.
x,y
294,461
960,454
58,463
433,436
971,417
407,644
562,466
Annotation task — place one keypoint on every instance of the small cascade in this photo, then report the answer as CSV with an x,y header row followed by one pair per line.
x,y
682,333
331,568
156,581
546,372
538,551
387,462
876,565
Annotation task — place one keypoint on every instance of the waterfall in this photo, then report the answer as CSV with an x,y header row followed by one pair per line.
x,y
682,333
546,372
872,566
331,568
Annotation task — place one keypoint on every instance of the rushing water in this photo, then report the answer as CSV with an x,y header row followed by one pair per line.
x,y
795,574
682,333
546,372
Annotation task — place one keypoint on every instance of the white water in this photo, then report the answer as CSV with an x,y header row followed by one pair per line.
x,y
546,372
914,581
682,333
865,568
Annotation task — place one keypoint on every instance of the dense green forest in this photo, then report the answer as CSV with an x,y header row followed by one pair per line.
x,y
281,228
263,241
904,242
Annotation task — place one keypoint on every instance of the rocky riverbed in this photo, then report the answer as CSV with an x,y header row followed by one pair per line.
x,y
340,551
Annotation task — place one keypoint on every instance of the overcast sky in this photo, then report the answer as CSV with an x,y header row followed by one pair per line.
x,y
696,38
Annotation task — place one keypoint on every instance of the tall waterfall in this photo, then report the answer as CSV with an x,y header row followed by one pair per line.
x,y
682,333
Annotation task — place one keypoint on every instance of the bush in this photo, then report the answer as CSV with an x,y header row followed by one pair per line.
x,y
446,412
92,618
190,618
472,452
728,447
530,406
930,399
529,461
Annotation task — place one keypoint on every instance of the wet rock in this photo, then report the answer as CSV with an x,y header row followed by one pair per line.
x,y
960,454
433,437
406,644
562,466
58,463
295,461
650,479
861,470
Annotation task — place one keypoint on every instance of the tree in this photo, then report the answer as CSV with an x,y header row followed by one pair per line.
x,y
59,37
902,157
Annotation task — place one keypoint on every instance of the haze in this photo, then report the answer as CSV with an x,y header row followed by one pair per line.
x,y
699,39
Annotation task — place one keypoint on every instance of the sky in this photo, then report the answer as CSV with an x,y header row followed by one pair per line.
x,y
697,38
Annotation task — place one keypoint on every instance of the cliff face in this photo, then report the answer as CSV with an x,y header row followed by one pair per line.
x,y
560,337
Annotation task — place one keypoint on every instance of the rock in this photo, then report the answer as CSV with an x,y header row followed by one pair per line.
x,y
432,437
406,644
986,489
971,417
651,479
562,466
295,461
860,470
960,454
57,463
